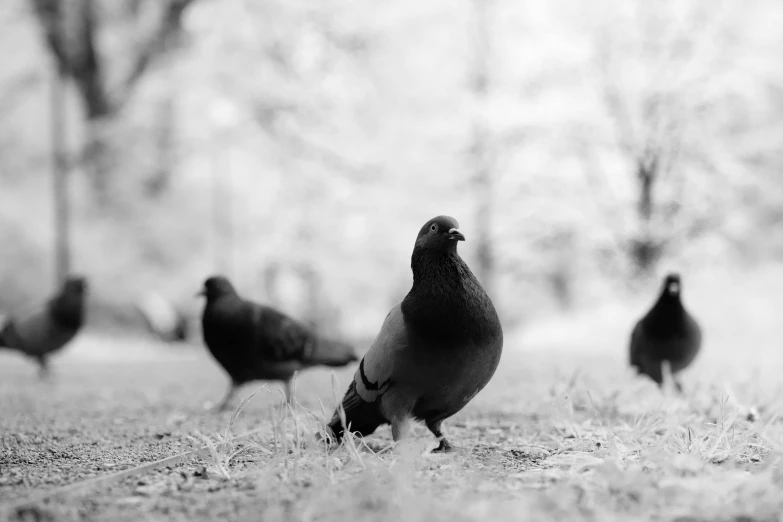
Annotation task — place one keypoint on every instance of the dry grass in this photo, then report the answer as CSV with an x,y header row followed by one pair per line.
x,y
566,432
593,444
617,451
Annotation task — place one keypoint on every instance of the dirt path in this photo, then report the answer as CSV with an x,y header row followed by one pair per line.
x,y
99,415
557,435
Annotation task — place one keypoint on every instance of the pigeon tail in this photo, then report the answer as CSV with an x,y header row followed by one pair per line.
x,y
5,326
361,416
332,353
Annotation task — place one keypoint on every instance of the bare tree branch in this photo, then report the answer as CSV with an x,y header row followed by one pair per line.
x,y
591,169
49,15
170,24
71,37
71,30
267,116
85,65
324,155
615,103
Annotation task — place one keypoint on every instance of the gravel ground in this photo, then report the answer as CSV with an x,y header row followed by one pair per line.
x,y
100,415
113,404
103,412
563,432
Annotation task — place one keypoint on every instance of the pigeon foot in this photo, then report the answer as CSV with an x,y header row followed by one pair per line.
x,y
445,447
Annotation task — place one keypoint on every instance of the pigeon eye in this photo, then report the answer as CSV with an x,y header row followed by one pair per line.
x,y
433,227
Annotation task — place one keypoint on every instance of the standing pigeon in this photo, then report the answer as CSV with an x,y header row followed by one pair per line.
x,y
46,331
255,342
436,349
666,333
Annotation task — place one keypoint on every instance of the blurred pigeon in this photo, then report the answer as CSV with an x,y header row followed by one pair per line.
x,y
45,331
256,342
162,318
436,349
666,333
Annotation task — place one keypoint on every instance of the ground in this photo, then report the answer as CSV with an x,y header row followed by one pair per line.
x,y
564,431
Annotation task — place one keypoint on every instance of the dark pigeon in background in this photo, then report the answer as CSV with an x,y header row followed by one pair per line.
x,y
436,349
256,342
666,333
47,330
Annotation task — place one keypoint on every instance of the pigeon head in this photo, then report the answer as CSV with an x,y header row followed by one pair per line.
x,y
439,234
75,286
68,305
215,287
672,285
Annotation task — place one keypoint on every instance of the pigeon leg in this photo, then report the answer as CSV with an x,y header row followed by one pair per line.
x,y
653,370
397,407
43,368
444,446
400,427
678,385
289,392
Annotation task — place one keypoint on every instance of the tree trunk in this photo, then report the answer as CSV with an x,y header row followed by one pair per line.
x,y
222,211
313,312
72,35
97,159
646,250
164,144
480,150
62,246
646,173
482,187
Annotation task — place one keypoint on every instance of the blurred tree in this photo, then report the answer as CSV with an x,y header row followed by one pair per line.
x,y
15,90
652,143
355,124
481,155
160,177
77,39
62,214
224,120
298,93
668,77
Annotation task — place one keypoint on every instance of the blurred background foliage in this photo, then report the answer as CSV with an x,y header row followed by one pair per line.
x,y
298,146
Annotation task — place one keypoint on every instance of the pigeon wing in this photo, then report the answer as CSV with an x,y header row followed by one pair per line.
x,y
373,378
37,334
280,337
634,345
376,371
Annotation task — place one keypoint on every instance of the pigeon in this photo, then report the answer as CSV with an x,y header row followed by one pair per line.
x,y
256,342
48,330
667,333
436,350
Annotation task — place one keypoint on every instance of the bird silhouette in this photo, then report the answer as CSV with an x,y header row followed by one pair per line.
x,y
256,342
49,328
666,333
436,349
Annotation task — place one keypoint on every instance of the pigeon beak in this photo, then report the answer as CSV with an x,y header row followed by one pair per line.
x,y
200,293
455,234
